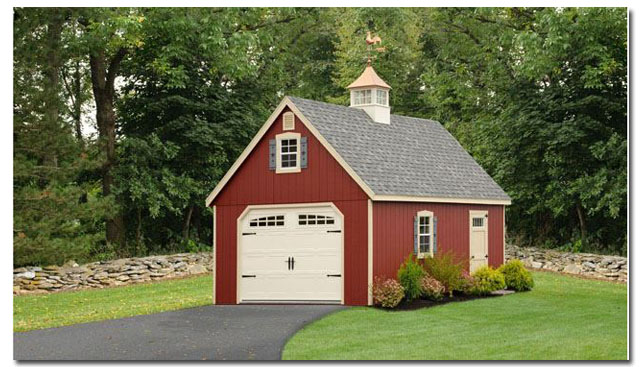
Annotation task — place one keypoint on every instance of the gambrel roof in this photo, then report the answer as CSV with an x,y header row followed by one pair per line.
x,y
410,159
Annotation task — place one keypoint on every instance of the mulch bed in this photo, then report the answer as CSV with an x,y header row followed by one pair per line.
x,y
425,303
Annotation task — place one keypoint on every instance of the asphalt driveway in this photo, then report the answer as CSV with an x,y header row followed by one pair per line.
x,y
203,333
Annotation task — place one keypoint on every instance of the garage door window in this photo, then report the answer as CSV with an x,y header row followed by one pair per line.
x,y
315,219
269,221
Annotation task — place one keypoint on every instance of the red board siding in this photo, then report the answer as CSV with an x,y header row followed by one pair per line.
x,y
393,232
323,181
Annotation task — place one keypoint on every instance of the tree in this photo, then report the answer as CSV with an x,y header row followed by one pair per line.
x,y
539,97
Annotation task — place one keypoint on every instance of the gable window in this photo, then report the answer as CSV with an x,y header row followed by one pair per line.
x,y
382,97
288,157
361,97
425,236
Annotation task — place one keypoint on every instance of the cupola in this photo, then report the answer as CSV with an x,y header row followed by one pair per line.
x,y
370,93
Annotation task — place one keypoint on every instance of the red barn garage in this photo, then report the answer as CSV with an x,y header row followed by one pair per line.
x,y
327,197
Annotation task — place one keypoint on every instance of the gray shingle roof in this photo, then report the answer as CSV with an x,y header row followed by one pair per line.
x,y
411,156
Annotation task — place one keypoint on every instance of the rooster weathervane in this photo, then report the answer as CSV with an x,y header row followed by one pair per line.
x,y
373,41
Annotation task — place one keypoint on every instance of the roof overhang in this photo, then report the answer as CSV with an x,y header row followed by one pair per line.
x,y
430,199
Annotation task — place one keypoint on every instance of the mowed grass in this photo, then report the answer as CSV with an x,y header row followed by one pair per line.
x,y
66,308
562,318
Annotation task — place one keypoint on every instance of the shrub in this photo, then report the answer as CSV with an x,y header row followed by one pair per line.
x,y
409,275
487,280
446,270
431,288
467,283
386,293
516,276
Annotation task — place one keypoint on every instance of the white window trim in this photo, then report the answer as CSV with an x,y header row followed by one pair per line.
x,y
425,213
353,99
286,136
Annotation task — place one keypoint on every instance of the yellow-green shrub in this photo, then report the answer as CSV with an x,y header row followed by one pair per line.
x,y
487,280
516,276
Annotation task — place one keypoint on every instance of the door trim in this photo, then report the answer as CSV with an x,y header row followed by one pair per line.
x,y
239,235
471,214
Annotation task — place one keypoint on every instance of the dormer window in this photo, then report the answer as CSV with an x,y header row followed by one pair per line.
x,y
288,157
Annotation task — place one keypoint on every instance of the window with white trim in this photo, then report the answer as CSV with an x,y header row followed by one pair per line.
x,y
288,156
425,236
382,97
361,97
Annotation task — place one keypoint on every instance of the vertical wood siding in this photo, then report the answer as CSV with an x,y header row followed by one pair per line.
x,y
393,232
323,181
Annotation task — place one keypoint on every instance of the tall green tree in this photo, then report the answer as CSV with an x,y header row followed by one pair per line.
x,y
539,97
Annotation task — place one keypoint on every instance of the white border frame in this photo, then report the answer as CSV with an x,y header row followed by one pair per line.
x,y
239,234
214,255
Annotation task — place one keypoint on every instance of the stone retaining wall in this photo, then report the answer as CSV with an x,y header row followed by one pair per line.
x,y
137,270
109,273
590,265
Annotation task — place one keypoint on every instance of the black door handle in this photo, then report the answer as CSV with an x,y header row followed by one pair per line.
x,y
292,263
486,256
288,261
334,275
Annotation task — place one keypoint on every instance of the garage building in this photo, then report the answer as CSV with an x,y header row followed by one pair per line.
x,y
326,197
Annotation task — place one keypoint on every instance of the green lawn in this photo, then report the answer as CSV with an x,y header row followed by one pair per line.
x,y
66,308
562,318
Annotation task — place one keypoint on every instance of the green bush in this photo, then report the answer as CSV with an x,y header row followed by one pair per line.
x,y
516,276
386,293
446,270
431,288
487,280
409,275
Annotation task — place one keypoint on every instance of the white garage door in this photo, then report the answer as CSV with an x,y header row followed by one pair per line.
x,y
291,254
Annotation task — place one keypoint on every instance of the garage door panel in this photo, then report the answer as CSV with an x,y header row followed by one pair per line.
x,y
316,251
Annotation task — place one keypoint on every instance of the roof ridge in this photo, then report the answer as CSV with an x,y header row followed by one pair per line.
x,y
352,109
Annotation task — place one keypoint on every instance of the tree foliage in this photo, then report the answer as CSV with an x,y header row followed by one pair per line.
x,y
536,95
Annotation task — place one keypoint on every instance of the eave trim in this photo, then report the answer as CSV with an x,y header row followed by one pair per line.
x,y
441,200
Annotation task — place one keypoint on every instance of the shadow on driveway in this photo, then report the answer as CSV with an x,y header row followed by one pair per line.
x,y
202,333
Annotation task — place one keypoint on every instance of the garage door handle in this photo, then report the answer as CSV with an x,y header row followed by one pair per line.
x,y
248,233
334,231
248,276
334,275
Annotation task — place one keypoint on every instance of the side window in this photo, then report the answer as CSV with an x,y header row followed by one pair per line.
x,y
425,234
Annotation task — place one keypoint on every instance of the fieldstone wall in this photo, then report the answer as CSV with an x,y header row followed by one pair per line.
x,y
109,273
590,265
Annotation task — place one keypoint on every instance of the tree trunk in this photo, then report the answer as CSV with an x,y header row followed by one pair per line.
x,y
582,220
102,81
52,80
78,100
186,222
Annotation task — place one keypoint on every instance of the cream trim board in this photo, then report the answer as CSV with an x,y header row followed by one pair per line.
x,y
504,234
286,102
249,208
370,252
285,136
429,199
214,254
426,213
